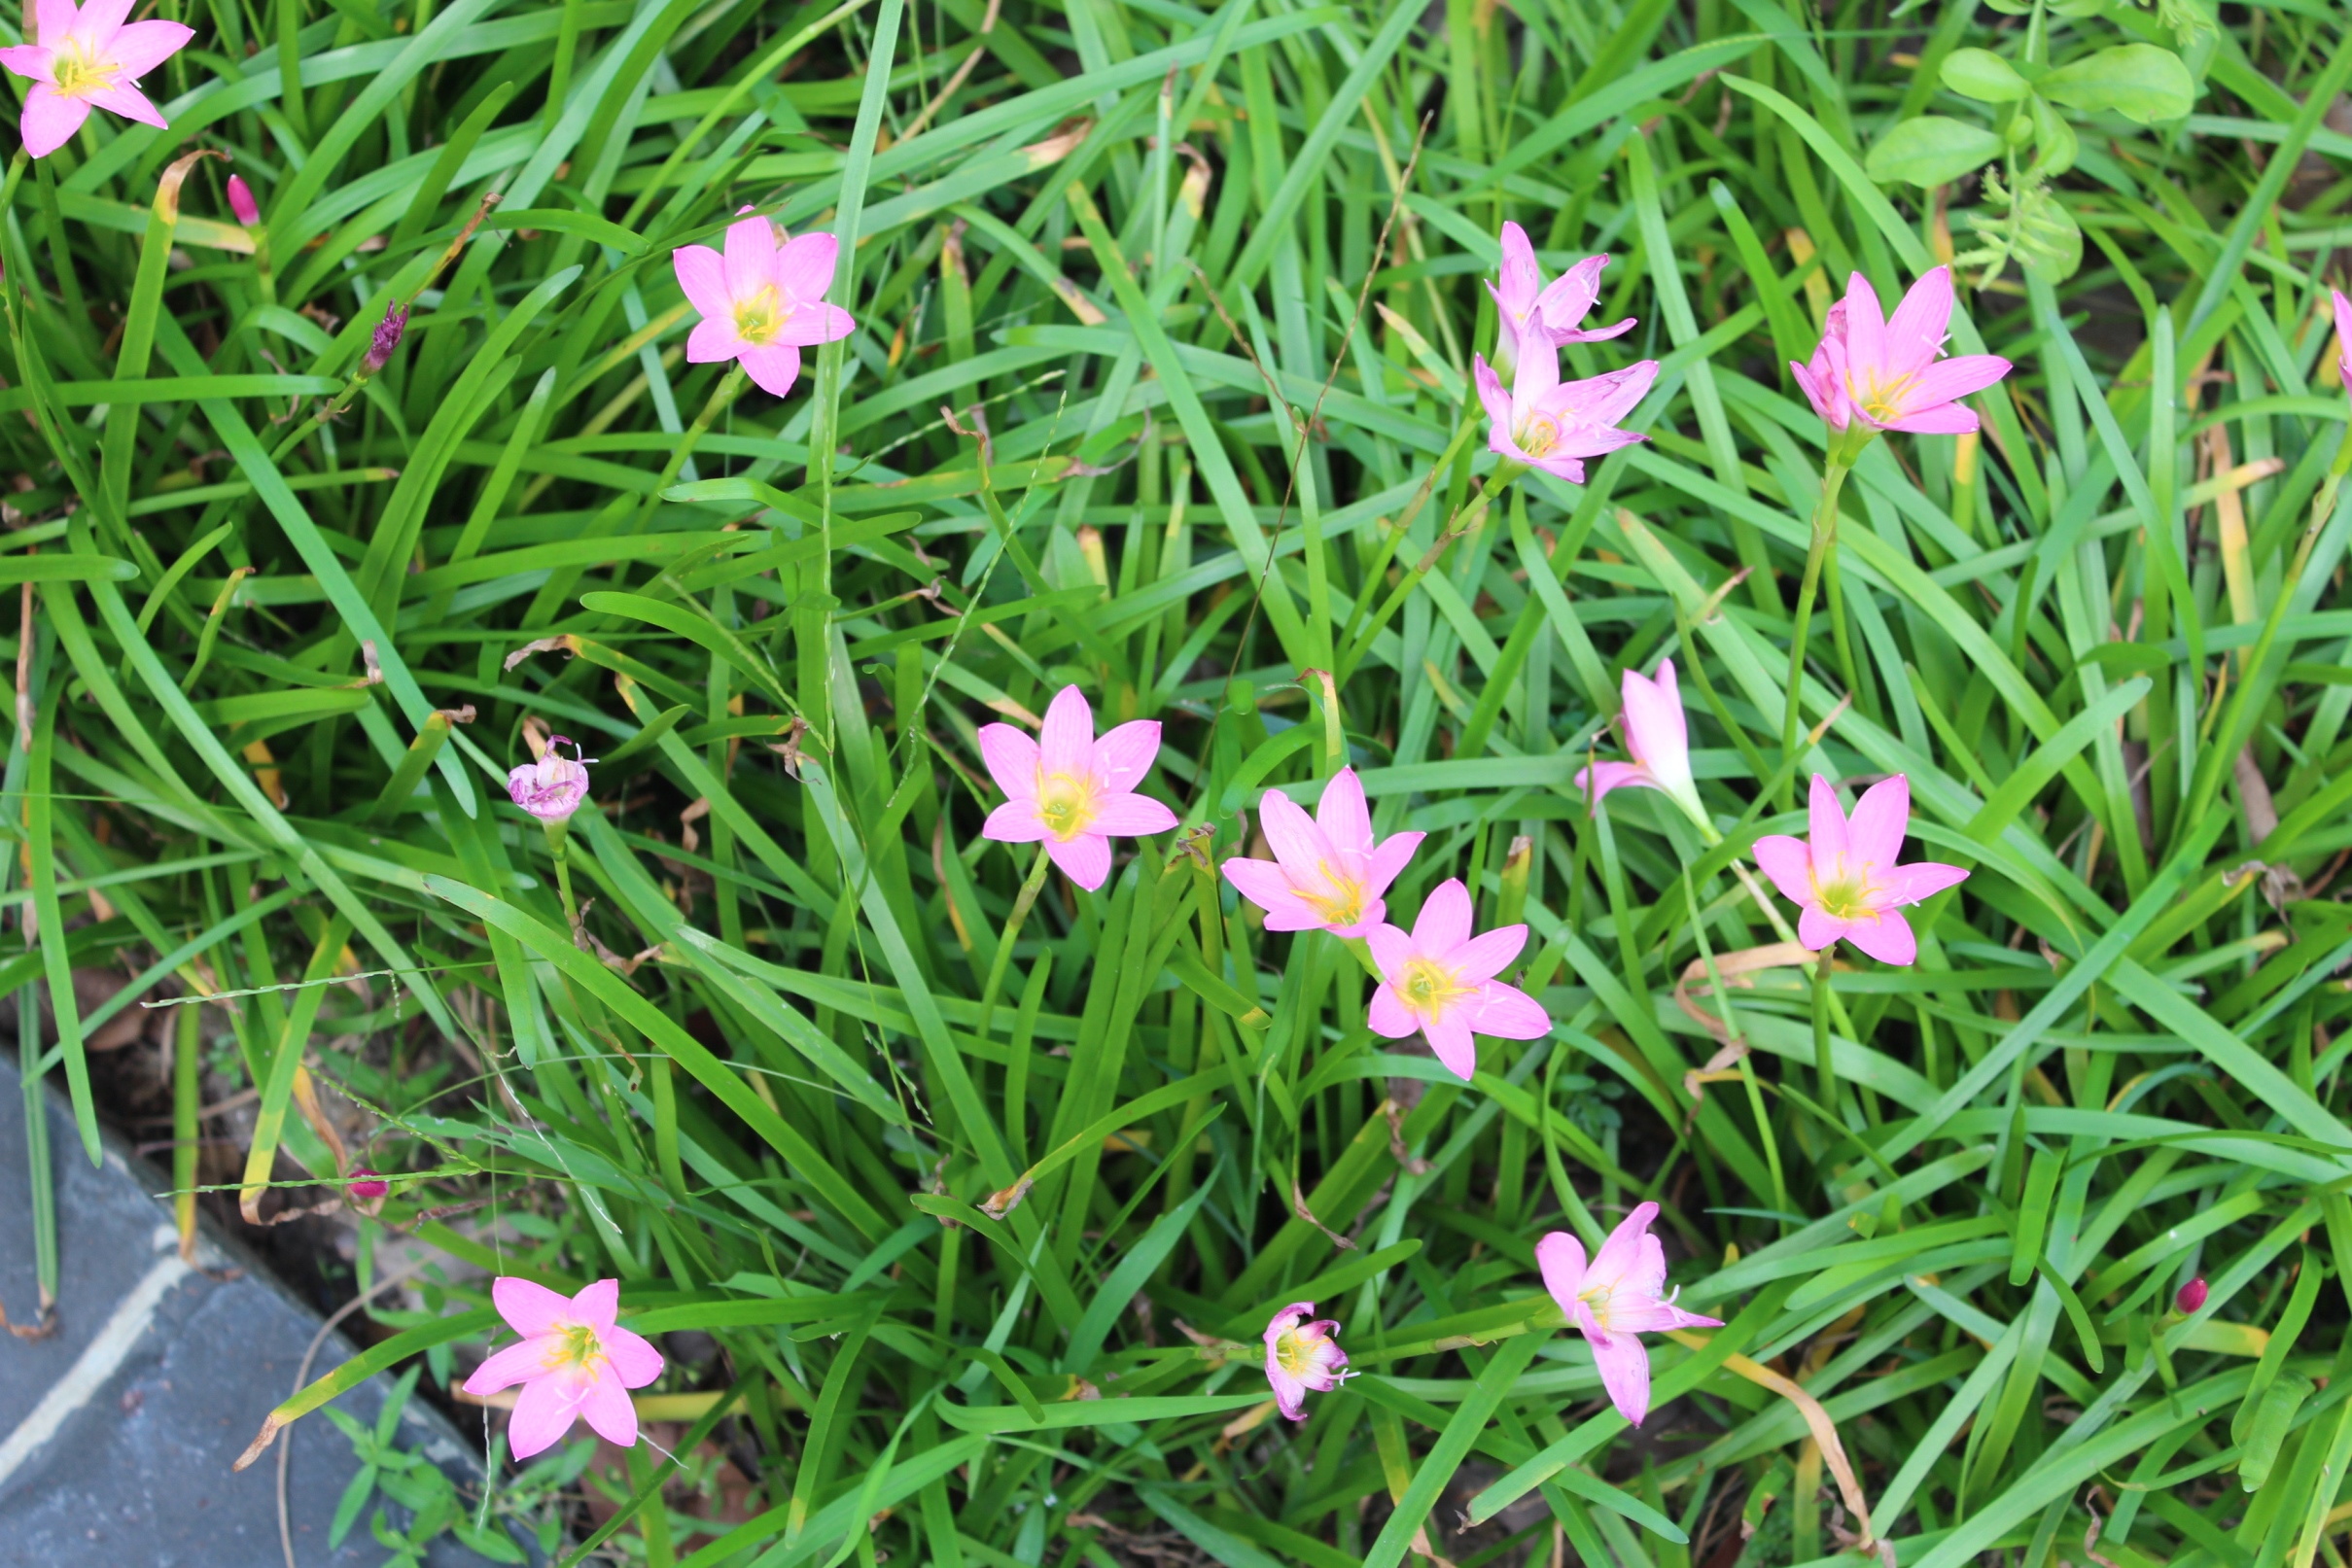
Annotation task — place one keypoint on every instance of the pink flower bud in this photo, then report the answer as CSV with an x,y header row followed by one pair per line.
x,y
366,1183
241,203
2189,1297
551,789
387,338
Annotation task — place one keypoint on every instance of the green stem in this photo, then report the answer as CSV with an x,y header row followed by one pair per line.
x,y
559,836
1005,944
1821,1056
1825,542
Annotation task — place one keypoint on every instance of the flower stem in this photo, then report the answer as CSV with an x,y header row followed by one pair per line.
x,y
1821,1056
559,836
1005,944
1824,542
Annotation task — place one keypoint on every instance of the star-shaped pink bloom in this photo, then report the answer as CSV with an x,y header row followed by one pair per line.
x,y
1071,791
1658,735
1303,1358
1887,372
84,59
1553,424
1328,873
762,301
1620,1292
1440,980
1847,880
573,1362
1554,313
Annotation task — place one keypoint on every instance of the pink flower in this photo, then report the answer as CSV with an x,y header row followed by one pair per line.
x,y
1551,312
1846,879
384,339
240,202
2343,336
1656,734
1301,1357
1071,791
1327,872
366,1183
572,1361
1441,981
1886,372
762,302
552,788
86,58
1552,425
1620,1294
2191,1296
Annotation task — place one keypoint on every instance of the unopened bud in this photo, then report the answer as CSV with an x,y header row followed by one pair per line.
x,y
387,338
366,1183
241,203
2189,1297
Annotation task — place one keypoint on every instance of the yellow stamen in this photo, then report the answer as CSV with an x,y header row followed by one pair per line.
x,y
1344,905
759,318
1066,805
1429,989
575,1346
78,72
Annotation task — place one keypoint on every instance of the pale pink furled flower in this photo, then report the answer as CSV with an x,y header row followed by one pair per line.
x,y
1886,372
1328,873
84,59
1656,734
762,301
2191,1296
1551,312
1075,792
552,788
1303,1358
240,202
1620,1292
1847,880
2343,336
574,1361
1440,980
1553,424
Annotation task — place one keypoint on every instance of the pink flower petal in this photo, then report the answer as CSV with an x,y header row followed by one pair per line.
x,y
1656,730
1874,836
1132,816
1816,928
1345,815
1506,1013
610,1412
1564,303
50,120
1125,752
542,1414
1535,375
1951,380
1297,843
805,267
1915,333
1619,1264
774,368
528,1308
1390,860
1907,885
1487,953
817,322
1521,278
1444,923
1602,776
1865,327
1944,419
52,20
1821,396
1372,914
1066,743
597,1304
1625,1371
702,274
1449,1036
1389,1017
1289,1393
1012,759
1560,1257
751,257
635,1361
1638,1315
1789,864
713,342
516,1362
141,46
29,61
1263,882
1828,824
1016,821
99,22
1491,394
1084,859
1391,948
1886,937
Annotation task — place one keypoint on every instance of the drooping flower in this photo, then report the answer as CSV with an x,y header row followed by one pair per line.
x,y
240,202
1886,372
762,302
1327,872
1656,734
1553,424
1302,1358
1552,311
1620,1292
86,58
1071,791
1847,880
2191,1296
1440,980
386,338
552,788
573,1362
2343,336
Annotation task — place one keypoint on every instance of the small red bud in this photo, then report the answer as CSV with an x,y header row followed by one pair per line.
x,y
241,203
366,1183
2190,1297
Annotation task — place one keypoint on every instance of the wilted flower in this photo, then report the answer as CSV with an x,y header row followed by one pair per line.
x,y
1659,738
2191,1296
573,1362
1887,374
387,338
1847,880
552,788
241,203
1440,980
1327,870
1303,1358
762,301
86,58
1071,791
1620,1294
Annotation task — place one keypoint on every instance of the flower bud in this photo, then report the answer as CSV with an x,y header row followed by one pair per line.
x,y
2189,1297
365,1183
241,203
551,789
387,338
